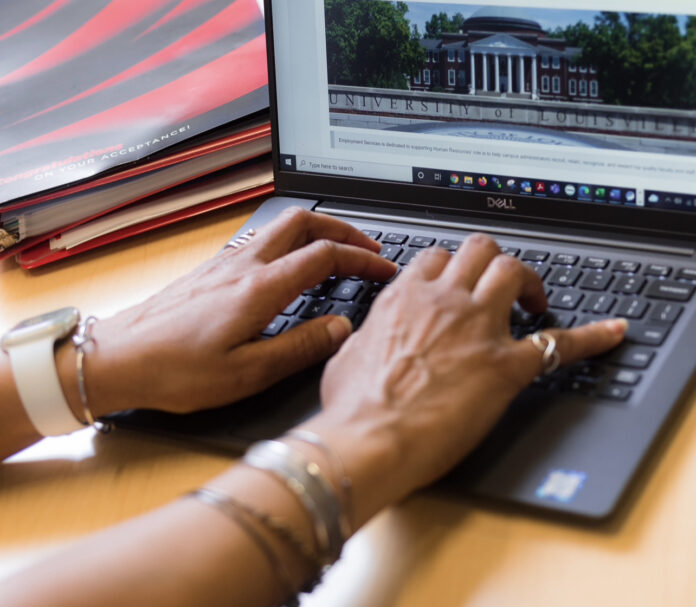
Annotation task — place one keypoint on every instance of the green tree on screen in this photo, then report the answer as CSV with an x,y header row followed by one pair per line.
x,y
646,60
371,43
442,22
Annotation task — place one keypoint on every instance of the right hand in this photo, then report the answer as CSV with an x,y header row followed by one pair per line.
x,y
435,366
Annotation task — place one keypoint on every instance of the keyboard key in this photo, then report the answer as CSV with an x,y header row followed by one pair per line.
x,y
542,269
589,371
450,245
370,294
658,269
565,259
632,307
671,290
648,335
555,319
629,285
686,274
315,308
408,256
666,312
565,277
522,318
615,393
566,299
346,290
635,357
599,303
422,241
626,377
626,266
394,238
533,255
320,289
374,234
595,263
596,281
293,307
350,311
390,252
511,251
579,386
275,327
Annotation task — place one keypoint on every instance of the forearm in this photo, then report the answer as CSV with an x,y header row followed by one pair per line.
x,y
184,554
190,553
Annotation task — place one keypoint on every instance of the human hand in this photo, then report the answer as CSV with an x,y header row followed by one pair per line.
x,y
195,344
435,366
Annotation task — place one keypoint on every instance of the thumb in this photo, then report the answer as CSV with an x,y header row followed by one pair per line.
x,y
306,345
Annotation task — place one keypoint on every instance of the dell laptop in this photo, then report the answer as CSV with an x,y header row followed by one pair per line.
x,y
422,122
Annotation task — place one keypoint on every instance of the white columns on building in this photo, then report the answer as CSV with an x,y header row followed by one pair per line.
x,y
492,81
484,58
472,86
496,58
535,92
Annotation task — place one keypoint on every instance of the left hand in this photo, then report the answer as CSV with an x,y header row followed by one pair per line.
x,y
196,344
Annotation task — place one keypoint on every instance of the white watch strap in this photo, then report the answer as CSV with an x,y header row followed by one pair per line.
x,y
36,378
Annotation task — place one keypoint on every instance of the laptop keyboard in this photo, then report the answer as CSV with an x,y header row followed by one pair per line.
x,y
580,289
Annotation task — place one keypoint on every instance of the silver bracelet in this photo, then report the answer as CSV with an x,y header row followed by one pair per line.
x,y
344,481
229,507
305,479
83,336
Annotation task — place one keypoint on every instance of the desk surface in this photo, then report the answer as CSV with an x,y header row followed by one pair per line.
x,y
428,551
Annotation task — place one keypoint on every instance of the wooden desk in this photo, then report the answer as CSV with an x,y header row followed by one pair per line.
x,y
428,551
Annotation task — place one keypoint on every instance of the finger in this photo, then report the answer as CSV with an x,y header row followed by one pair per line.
x,y
296,227
471,260
273,359
281,281
573,345
428,264
507,280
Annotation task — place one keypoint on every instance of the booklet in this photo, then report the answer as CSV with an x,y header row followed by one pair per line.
x,y
88,86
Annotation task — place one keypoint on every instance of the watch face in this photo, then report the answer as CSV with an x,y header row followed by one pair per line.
x,y
55,324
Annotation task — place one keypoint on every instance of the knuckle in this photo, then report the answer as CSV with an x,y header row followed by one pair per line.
x,y
325,248
434,253
296,216
505,263
484,241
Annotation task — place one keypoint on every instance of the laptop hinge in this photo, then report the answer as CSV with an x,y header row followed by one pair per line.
x,y
342,211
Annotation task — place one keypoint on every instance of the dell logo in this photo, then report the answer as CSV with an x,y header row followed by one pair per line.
x,y
501,203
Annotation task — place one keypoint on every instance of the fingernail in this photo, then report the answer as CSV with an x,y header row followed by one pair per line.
x,y
339,329
617,325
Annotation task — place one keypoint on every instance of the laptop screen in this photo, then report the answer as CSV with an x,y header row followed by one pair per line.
x,y
510,100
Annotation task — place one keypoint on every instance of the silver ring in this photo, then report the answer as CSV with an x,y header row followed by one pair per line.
x,y
546,344
235,243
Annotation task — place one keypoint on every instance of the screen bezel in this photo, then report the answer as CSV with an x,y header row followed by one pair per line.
x,y
466,204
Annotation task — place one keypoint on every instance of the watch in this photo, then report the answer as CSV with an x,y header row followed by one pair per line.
x,y
30,348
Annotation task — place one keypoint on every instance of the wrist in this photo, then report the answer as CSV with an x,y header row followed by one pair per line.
x,y
370,458
100,374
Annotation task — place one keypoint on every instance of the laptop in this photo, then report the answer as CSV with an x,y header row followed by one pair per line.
x,y
509,120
